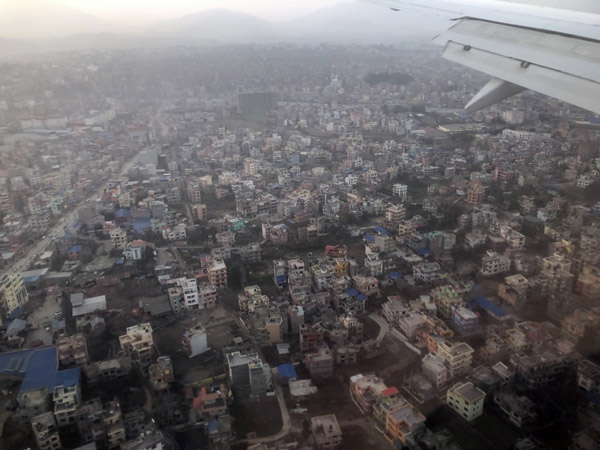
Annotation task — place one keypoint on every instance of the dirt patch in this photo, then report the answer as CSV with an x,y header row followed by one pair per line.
x,y
246,419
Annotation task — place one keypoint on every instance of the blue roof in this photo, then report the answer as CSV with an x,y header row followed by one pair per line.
x,y
381,230
424,251
141,223
287,371
16,313
490,306
123,213
75,249
39,369
163,178
394,275
31,279
362,297
369,238
120,261
352,291
213,425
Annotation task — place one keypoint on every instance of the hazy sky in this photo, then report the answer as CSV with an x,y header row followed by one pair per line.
x,y
143,12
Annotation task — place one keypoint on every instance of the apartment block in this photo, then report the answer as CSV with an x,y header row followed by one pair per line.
x,y
138,342
72,350
326,432
217,274
12,291
457,356
466,400
46,432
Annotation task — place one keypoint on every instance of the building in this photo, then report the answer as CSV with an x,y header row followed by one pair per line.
x,y
395,214
72,350
66,402
475,193
217,274
199,212
588,375
457,357
466,400
161,373
400,190
138,342
256,102
394,309
588,282
435,370
118,238
320,363
428,273
46,432
365,390
446,299
402,422
493,263
13,293
194,341
248,374
518,409
326,432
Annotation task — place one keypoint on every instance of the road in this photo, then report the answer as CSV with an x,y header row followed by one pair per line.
x,y
58,229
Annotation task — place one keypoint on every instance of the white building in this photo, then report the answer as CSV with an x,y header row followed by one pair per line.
x,y
466,400
400,190
194,341
493,263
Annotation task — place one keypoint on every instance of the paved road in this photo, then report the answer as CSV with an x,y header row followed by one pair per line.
x,y
58,229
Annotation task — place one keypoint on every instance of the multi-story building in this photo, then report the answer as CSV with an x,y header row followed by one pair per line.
x,y
173,195
466,400
446,298
247,373
194,194
194,341
118,238
588,375
402,422
365,390
368,286
475,193
395,214
320,363
457,356
435,370
588,282
46,432
138,342
199,211
493,263
539,369
326,432
161,373
516,290
12,292
217,274
72,350
428,273
400,190
66,402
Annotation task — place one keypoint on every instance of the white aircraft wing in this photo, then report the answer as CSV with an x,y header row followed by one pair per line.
x,y
522,46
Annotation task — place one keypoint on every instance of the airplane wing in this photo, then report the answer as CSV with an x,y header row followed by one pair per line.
x,y
521,46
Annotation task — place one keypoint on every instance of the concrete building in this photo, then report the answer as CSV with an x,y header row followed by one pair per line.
x,y
435,370
588,375
395,214
394,309
217,274
493,263
365,390
199,212
66,402
326,432
320,363
248,374
161,373
12,292
457,357
402,423
446,298
138,342
466,400
194,341
72,350
475,193
46,432
400,190
118,238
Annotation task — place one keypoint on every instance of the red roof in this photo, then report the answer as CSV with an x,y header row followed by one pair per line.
x,y
390,391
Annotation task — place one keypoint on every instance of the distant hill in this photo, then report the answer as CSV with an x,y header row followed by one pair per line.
x,y
220,25
41,19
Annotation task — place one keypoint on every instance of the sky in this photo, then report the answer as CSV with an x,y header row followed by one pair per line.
x,y
144,12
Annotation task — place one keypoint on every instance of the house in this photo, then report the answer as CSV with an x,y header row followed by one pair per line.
x,y
161,373
138,342
365,390
326,432
135,250
194,341
74,253
320,363
466,400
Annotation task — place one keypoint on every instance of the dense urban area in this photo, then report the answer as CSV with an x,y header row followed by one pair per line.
x,y
279,247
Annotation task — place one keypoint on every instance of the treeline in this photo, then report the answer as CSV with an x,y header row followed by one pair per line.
x,y
396,78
